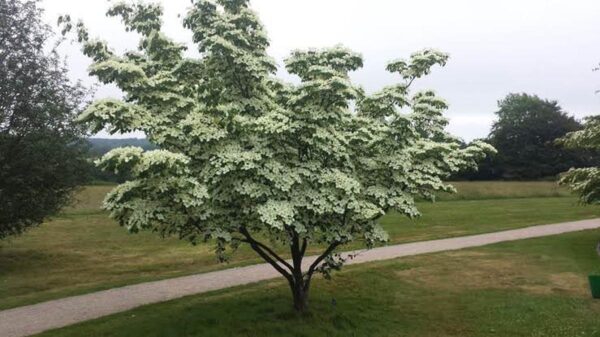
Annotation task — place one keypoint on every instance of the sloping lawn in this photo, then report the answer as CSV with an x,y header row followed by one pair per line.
x,y
83,251
534,287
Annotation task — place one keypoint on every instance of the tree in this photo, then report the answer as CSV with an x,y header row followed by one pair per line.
x,y
246,158
585,181
524,136
41,149
101,146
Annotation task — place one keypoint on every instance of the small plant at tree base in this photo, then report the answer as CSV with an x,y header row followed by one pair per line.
x,y
246,158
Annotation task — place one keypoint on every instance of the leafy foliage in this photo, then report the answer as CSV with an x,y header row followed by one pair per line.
x,y
245,155
101,146
525,135
585,181
42,153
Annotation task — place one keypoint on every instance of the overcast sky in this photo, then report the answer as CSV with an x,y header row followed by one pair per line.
x,y
543,47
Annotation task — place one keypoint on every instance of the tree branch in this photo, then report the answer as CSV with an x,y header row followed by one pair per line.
x,y
272,262
304,244
250,240
315,264
410,82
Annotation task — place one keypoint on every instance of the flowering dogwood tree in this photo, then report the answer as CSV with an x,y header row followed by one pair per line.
x,y
248,159
584,181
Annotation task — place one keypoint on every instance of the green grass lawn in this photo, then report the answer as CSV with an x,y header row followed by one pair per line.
x,y
528,288
82,250
477,190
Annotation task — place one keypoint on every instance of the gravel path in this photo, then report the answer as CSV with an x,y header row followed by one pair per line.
x,y
32,319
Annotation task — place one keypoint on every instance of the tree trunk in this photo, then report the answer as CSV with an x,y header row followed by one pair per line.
x,y
299,282
300,295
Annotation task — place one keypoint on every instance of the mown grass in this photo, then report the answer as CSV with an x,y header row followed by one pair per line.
x,y
465,217
525,288
82,250
478,190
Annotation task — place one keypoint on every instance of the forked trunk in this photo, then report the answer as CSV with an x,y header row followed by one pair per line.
x,y
298,280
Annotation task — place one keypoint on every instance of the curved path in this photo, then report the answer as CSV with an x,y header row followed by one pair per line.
x,y
32,319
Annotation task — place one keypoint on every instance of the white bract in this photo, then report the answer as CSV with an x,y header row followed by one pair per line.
x,y
584,181
245,155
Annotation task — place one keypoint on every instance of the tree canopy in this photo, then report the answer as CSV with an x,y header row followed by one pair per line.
x,y
101,146
245,156
584,180
41,149
525,135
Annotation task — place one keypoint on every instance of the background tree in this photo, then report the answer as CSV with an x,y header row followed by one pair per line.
x,y
244,156
525,135
41,150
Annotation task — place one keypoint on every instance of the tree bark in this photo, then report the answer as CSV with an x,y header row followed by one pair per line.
x,y
300,296
298,280
299,285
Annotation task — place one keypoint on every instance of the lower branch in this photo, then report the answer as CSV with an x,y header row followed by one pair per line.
x,y
313,267
268,255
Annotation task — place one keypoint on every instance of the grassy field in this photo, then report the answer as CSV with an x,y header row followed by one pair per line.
x,y
477,190
82,250
526,288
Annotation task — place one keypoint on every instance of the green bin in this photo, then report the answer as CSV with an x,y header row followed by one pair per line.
x,y
595,285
